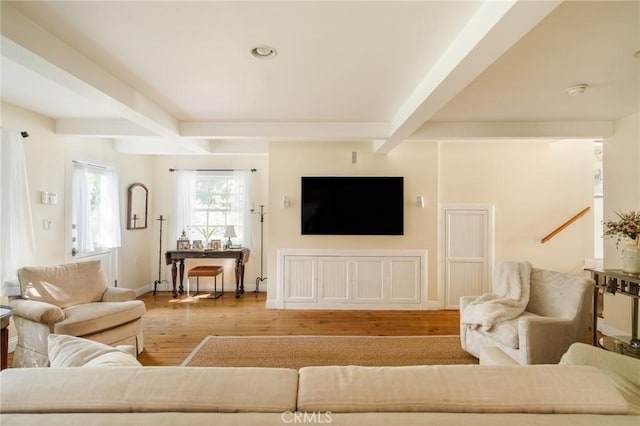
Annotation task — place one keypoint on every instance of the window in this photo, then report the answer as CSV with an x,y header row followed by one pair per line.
x,y
95,211
209,201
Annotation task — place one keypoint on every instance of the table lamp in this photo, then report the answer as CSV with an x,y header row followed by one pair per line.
x,y
229,233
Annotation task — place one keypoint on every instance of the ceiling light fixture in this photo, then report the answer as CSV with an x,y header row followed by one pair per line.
x,y
264,52
576,90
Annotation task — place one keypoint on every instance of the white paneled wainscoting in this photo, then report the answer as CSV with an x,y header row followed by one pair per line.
x,y
351,279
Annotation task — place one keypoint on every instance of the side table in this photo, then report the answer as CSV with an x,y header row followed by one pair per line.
x,y
619,344
614,281
5,315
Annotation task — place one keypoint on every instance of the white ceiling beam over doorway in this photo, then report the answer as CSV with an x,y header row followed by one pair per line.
x,y
494,28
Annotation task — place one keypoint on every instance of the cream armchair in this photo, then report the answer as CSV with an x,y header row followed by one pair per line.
x,y
556,316
72,299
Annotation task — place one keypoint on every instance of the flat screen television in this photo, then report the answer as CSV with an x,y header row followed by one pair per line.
x,y
352,205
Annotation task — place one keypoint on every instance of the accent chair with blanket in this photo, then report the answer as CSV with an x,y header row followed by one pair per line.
x,y
72,299
533,316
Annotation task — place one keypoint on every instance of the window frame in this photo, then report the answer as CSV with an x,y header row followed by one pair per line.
x,y
237,200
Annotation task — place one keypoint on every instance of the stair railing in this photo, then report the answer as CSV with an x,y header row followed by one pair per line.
x,y
564,225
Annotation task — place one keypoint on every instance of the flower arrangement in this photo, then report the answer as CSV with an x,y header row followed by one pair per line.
x,y
628,226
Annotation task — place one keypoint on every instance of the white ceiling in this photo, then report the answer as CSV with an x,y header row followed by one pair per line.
x,y
380,71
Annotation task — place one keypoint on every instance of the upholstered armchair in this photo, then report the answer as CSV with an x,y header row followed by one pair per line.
x,y
72,299
556,316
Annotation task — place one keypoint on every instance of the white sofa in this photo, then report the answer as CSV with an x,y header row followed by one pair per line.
x,y
557,315
419,395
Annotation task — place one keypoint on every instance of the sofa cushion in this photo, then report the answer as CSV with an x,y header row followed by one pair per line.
x,y
89,318
113,359
459,388
70,351
622,370
63,285
148,389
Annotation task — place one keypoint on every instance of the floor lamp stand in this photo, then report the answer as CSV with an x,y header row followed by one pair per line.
x,y
159,280
261,277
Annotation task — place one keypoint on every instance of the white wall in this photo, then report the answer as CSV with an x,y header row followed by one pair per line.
x,y
418,163
46,158
536,186
164,204
136,258
621,193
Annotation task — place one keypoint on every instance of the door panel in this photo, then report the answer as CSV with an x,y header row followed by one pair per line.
x,y
468,252
301,280
333,280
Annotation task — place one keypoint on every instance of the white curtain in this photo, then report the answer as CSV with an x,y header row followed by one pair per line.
x,y
109,210
185,190
81,208
242,207
16,228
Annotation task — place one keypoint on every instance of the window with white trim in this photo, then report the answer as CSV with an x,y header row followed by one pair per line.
x,y
95,209
209,201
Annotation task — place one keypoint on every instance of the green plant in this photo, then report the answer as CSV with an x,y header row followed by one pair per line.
x,y
628,226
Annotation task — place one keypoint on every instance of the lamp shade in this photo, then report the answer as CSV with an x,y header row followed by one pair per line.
x,y
230,232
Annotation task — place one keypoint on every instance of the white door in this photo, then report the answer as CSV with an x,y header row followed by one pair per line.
x,y
93,212
467,252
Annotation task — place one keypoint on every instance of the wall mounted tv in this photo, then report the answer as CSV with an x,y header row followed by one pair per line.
x,y
352,205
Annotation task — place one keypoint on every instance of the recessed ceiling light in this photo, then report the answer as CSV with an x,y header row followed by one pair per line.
x,y
576,90
264,52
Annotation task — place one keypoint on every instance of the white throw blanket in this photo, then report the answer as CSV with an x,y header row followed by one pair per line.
x,y
511,284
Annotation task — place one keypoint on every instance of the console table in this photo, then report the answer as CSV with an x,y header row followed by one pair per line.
x,y
614,281
175,257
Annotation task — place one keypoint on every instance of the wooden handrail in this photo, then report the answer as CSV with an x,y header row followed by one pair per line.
x,y
564,225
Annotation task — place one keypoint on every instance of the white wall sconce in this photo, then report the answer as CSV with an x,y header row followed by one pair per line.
x,y
48,197
420,201
285,201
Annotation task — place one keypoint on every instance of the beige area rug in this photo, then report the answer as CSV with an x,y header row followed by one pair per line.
x,y
301,351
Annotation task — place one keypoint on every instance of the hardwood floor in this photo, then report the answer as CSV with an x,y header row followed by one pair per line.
x,y
174,327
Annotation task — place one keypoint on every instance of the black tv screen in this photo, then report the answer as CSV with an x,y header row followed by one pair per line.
x,y
352,205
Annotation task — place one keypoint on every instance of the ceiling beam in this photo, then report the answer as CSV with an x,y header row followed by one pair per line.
x,y
513,130
30,45
100,127
318,131
494,28
161,146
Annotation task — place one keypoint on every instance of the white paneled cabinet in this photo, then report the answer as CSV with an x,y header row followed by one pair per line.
x,y
354,279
